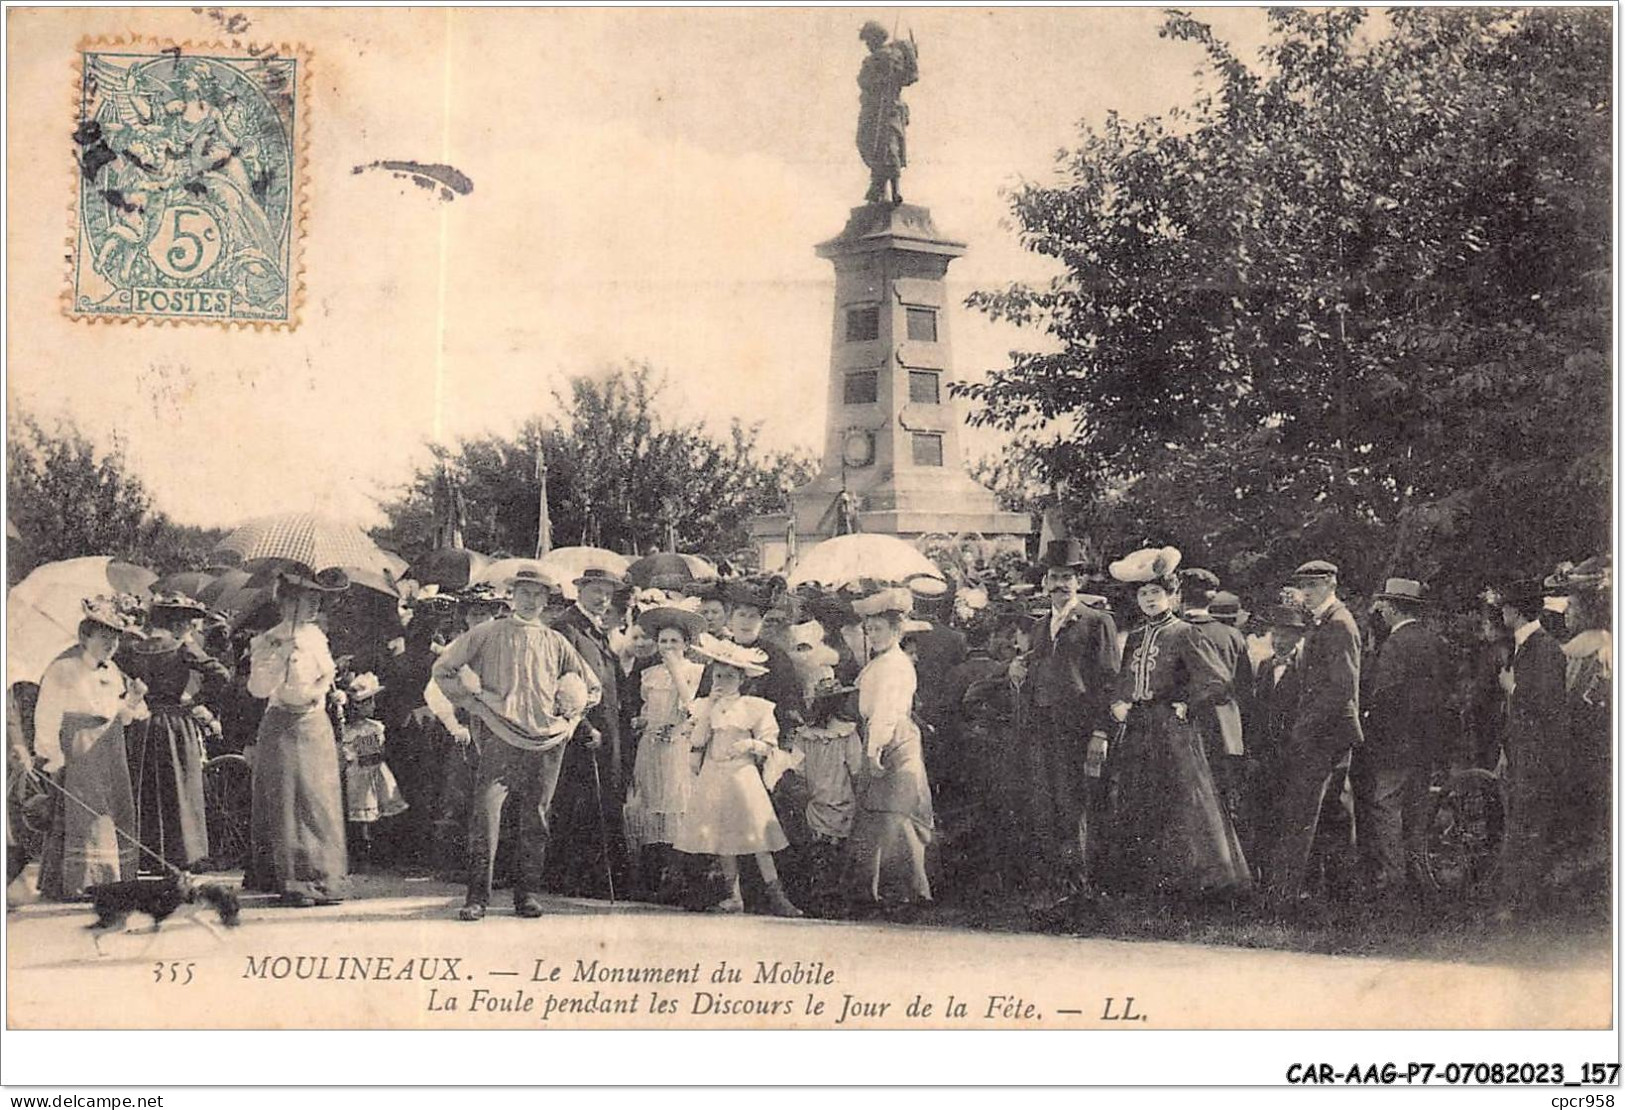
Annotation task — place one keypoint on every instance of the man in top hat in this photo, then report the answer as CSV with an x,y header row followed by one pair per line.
x,y
1066,680
1402,710
1327,725
590,802
1535,747
513,676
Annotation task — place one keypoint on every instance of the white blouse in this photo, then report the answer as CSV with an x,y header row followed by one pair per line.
x,y
885,698
291,666
72,685
737,727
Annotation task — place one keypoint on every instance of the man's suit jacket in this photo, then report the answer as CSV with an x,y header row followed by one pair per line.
x,y
1538,709
1223,720
592,644
1075,672
1406,699
1329,705
1273,708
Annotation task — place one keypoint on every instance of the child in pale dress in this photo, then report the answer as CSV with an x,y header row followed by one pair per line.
x,y
729,812
370,790
661,778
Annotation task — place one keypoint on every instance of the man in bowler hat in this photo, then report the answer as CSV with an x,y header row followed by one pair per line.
x,y
589,804
1535,747
1402,711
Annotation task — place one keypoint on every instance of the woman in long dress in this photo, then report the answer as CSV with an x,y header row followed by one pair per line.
x,y
84,703
661,779
1168,834
166,750
297,810
894,820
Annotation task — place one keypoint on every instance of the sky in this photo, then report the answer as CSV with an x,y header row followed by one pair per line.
x,y
648,185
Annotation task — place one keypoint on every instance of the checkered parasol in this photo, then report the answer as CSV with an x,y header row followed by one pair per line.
x,y
317,542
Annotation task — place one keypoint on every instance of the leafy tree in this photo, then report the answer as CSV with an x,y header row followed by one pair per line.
x,y
1354,303
620,472
68,500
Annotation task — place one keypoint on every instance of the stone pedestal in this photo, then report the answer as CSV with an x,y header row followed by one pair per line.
x,y
892,441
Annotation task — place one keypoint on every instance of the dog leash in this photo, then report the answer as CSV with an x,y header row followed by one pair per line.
x,y
90,809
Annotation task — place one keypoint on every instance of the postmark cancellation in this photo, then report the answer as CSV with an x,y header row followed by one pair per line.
x,y
190,183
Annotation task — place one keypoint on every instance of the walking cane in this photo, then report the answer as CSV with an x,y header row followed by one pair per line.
x,y
603,823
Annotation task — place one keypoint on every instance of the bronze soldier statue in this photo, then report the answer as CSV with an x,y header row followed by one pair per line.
x,y
882,115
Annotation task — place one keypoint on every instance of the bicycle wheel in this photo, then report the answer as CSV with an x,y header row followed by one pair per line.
x,y
227,796
1466,831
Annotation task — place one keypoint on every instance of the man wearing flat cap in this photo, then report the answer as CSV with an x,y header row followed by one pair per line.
x,y
1402,711
1066,680
1327,725
1536,744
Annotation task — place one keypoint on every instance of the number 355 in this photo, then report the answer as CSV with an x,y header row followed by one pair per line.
x,y
178,972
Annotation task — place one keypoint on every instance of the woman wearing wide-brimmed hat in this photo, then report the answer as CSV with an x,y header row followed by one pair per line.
x,y
661,778
298,808
894,820
166,750
84,703
730,813
1167,833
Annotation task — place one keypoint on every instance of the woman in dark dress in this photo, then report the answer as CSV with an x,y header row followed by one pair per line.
x,y
1168,834
165,751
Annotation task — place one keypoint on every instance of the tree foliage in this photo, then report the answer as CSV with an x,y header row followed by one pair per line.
x,y
69,500
1353,303
619,471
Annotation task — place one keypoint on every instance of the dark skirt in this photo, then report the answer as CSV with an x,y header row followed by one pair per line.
x,y
1167,833
892,826
89,843
298,807
166,773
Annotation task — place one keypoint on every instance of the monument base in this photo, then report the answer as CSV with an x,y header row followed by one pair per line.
x,y
908,506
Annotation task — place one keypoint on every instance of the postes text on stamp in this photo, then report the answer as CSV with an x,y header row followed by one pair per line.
x,y
189,174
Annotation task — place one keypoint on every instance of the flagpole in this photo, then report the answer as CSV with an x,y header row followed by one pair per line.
x,y
544,521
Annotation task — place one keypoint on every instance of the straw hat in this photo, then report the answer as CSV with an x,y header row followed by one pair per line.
x,y
681,617
1148,564
750,660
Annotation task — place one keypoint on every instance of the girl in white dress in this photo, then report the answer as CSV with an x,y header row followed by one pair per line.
x,y
729,812
661,778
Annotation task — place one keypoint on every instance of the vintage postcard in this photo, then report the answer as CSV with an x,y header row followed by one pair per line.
x,y
926,519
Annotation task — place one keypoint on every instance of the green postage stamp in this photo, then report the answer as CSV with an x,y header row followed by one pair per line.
x,y
190,184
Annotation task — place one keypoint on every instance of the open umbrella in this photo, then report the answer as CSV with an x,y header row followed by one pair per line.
x,y
265,571
316,541
669,565
563,565
235,593
43,610
450,568
846,559
188,582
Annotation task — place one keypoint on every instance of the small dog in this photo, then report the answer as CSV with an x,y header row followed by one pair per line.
x,y
158,897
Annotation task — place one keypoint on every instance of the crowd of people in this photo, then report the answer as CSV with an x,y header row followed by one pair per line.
x,y
737,745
